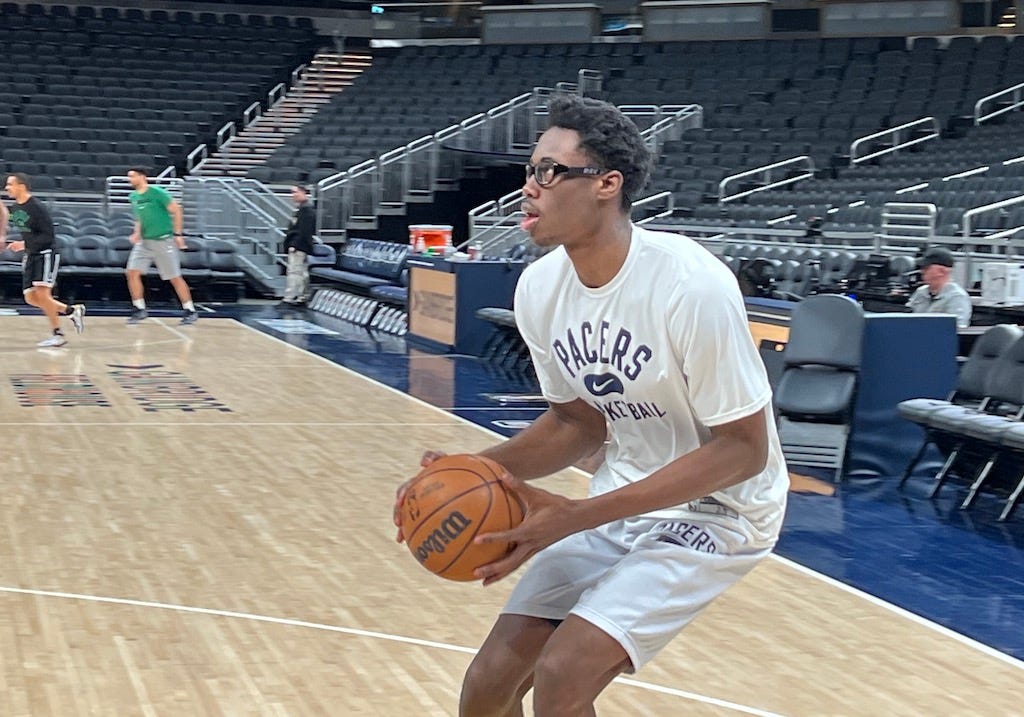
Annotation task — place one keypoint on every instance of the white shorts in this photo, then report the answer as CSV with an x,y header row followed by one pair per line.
x,y
641,582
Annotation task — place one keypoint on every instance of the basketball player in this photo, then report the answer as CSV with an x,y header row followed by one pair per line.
x,y
39,271
640,336
157,239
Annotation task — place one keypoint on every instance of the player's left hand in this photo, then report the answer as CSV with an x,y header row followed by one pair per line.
x,y
179,240
16,246
547,519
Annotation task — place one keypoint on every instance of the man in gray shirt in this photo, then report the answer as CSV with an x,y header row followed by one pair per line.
x,y
938,294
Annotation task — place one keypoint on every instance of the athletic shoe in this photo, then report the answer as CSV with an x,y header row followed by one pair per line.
x,y
137,316
53,341
190,317
77,317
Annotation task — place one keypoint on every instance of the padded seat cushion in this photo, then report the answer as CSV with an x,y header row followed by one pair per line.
x,y
348,277
986,428
951,420
815,393
917,410
499,316
391,294
1013,437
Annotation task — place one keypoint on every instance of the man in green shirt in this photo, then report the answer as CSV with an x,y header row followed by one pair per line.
x,y
157,239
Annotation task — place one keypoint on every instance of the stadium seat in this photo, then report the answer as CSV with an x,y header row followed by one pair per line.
x,y
816,392
970,388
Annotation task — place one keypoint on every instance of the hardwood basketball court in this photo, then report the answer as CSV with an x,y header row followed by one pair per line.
x,y
197,522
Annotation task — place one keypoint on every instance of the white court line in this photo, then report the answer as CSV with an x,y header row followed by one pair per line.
x,y
924,622
289,622
902,612
184,337
71,349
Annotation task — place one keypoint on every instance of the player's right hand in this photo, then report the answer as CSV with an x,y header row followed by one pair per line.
x,y
396,513
134,238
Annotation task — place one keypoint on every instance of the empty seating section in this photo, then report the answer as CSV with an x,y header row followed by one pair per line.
x,y
814,98
764,101
86,94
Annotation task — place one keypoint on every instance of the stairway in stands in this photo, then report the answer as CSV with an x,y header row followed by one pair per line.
x,y
326,75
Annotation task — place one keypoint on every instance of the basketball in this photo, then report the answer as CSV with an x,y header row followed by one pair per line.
x,y
450,502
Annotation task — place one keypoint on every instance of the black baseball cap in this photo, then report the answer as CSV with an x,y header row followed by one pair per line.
x,y
935,255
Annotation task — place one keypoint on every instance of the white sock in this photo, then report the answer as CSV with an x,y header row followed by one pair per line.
x,y
139,304
188,306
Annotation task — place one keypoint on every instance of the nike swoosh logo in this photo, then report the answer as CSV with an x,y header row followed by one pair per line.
x,y
603,384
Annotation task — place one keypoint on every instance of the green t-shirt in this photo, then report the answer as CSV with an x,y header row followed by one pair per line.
x,y
150,208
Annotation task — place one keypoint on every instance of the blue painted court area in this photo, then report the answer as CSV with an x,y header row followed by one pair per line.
x,y
961,569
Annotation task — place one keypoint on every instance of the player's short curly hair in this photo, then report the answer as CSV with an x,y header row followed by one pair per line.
x,y
608,137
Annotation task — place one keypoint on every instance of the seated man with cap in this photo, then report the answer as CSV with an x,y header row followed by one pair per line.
x,y
938,294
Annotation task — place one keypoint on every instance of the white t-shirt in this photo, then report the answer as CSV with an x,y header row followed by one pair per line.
x,y
664,352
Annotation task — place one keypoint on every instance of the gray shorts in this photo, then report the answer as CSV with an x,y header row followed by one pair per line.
x,y
161,252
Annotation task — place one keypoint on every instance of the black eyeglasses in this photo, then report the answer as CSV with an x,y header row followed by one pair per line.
x,y
546,170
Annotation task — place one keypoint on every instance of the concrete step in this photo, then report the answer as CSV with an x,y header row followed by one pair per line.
x,y
326,75
239,162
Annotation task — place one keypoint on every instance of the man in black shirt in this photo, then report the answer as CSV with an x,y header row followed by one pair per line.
x,y
298,243
39,270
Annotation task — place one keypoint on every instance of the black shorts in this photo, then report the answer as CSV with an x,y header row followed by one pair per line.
x,y
40,270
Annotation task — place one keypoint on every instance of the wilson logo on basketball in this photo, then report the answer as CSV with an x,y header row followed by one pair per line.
x,y
450,528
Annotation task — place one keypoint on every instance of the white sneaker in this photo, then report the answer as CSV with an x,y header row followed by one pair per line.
x,y
77,317
55,340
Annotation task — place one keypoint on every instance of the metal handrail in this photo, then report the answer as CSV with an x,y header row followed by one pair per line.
x,y
240,218
766,170
670,127
926,212
225,133
251,113
897,144
666,212
589,81
276,93
196,156
1018,101
975,211
1005,233
232,188
259,193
